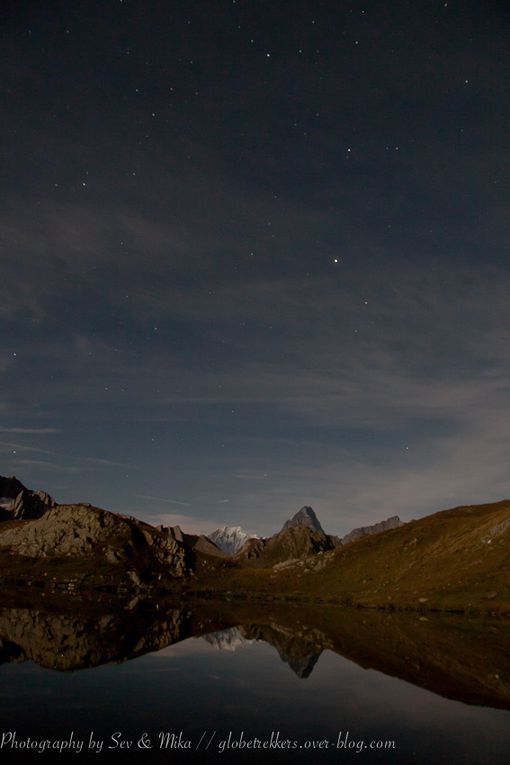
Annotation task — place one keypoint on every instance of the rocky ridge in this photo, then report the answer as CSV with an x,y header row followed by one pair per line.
x,y
73,531
377,528
199,543
19,503
91,534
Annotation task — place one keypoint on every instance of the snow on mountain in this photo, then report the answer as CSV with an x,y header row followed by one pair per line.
x,y
230,539
229,639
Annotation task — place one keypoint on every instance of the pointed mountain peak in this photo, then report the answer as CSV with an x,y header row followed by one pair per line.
x,y
304,517
230,539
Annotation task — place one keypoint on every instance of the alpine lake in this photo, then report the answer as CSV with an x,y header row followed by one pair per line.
x,y
213,681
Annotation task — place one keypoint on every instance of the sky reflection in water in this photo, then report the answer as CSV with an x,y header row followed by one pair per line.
x,y
194,687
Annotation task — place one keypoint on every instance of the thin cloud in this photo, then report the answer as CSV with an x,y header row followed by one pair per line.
x,y
190,524
30,431
163,499
25,448
107,463
46,465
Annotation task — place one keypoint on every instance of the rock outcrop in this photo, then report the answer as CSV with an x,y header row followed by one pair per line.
x,y
10,487
19,503
377,528
83,532
32,504
196,543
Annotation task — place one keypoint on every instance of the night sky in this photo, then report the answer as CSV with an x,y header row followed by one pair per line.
x,y
254,255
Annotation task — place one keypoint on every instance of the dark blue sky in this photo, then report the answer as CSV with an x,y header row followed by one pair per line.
x,y
255,256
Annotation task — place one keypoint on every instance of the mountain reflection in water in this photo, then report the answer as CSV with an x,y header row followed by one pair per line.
x,y
294,651
456,657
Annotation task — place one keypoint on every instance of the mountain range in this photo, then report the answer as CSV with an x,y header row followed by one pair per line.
x,y
451,560
300,536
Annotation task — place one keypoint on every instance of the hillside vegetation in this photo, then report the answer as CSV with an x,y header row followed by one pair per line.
x,y
456,559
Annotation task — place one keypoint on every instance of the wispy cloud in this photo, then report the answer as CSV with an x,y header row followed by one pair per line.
x,y
190,524
352,365
21,447
46,465
30,431
104,462
163,499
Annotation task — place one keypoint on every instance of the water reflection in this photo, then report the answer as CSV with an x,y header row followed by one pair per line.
x,y
459,658
298,653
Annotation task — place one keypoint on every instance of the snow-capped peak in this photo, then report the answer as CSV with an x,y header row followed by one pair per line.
x,y
230,539
229,639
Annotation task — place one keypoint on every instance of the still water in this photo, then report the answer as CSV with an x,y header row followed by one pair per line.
x,y
211,683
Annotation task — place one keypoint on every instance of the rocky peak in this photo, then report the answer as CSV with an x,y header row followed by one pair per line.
x,y
304,517
10,487
300,537
377,528
31,504
230,539
19,503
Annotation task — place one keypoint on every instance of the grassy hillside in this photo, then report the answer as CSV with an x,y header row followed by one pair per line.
x,y
455,559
